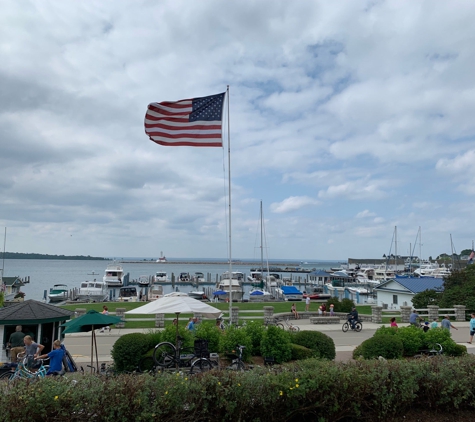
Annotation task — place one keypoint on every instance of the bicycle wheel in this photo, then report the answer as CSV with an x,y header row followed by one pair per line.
x,y
237,366
280,325
200,365
358,327
6,376
345,327
294,328
164,354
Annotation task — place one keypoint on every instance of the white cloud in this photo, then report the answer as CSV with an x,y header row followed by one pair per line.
x,y
292,203
365,214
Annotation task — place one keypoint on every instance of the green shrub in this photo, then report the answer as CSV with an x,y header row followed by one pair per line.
x,y
347,305
344,306
322,344
388,347
276,343
207,330
458,350
302,352
412,339
358,352
386,331
154,337
169,334
128,349
441,336
232,337
255,330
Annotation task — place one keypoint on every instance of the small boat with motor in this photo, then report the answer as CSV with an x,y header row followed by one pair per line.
x,y
155,292
114,275
129,294
143,281
259,295
161,278
58,293
198,294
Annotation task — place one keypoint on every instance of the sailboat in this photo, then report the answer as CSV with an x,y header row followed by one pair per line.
x,y
260,294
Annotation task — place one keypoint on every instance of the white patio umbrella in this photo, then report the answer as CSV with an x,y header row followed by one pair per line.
x,y
177,305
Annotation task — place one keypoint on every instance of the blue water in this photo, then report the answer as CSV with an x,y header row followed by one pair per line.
x,y
45,273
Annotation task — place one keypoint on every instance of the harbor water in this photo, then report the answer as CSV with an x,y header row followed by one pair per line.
x,y
45,273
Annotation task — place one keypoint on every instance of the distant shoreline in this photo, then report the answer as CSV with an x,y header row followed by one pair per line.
x,y
20,255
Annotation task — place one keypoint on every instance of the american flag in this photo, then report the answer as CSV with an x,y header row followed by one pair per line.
x,y
196,122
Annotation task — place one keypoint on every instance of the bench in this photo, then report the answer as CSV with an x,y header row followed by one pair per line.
x,y
325,320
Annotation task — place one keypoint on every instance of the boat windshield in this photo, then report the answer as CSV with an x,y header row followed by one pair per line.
x,y
84,284
128,292
98,286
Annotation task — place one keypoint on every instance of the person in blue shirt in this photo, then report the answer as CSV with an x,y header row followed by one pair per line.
x,y
55,358
414,318
191,324
472,328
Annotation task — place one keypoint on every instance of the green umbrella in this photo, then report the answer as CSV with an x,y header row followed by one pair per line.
x,y
90,321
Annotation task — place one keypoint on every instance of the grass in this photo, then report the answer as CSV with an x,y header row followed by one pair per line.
x,y
256,307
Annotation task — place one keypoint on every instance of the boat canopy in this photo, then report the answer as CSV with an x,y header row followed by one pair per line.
x,y
291,290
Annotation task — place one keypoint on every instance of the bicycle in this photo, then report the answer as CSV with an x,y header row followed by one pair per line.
x,y
358,326
273,322
290,327
436,350
23,372
237,363
166,355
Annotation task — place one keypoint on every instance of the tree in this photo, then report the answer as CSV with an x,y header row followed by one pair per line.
x,y
427,297
459,288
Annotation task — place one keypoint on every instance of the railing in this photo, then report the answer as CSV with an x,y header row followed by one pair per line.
x,y
429,313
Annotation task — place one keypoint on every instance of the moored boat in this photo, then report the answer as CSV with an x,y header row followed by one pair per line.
x,y
129,294
93,291
58,293
114,275
155,292
198,294
161,278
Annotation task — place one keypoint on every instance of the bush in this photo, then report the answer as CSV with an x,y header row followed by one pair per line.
x,y
302,352
386,331
208,331
344,306
322,344
441,336
169,334
276,343
154,337
458,350
386,346
128,349
358,352
255,330
412,339
235,336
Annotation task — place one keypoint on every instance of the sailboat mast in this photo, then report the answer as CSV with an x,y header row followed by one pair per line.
x,y
395,248
3,259
262,245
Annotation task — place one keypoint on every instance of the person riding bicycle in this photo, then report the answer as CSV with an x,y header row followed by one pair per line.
x,y
353,317
414,318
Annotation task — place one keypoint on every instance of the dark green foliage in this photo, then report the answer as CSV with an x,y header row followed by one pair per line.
x,y
412,339
322,344
458,350
302,352
207,330
386,346
232,337
385,331
255,330
154,337
169,334
459,288
276,343
358,352
128,349
427,297
344,306
441,336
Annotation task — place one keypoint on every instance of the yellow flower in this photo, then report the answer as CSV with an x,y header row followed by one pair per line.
x,y
56,397
281,393
166,392
239,385
186,379
219,383
296,386
296,380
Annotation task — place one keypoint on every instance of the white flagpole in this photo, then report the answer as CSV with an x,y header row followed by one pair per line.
x,y
229,214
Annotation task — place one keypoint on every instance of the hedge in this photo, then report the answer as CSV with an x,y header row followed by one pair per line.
x,y
310,390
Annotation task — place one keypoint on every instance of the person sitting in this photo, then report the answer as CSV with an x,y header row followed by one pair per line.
x,y
426,327
293,309
55,359
353,317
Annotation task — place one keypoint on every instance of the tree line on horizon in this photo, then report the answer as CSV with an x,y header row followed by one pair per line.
x,y
21,255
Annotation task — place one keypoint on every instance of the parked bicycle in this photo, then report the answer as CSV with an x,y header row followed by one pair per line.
x,y
289,326
436,350
357,326
166,355
23,372
237,363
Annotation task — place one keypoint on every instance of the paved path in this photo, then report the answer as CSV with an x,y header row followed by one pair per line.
x,y
79,344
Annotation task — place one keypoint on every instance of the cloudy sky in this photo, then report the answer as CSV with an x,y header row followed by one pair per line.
x,y
347,119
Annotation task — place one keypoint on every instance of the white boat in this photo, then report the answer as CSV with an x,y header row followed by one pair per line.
x,y
382,273
93,291
143,281
129,294
198,294
289,293
161,278
175,294
184,277
114,275
155,292
259,295
199,277
58,293
233,285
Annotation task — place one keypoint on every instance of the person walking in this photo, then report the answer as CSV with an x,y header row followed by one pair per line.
x,y
105,311
472,328
447,324
307,303
393,322
434,323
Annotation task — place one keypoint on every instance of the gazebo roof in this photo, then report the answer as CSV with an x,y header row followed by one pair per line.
x,y
32,312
